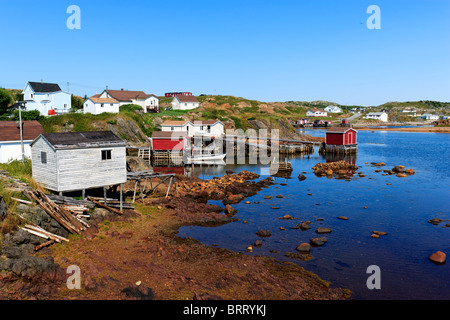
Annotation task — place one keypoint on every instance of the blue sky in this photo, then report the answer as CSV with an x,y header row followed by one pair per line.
x,y
265,50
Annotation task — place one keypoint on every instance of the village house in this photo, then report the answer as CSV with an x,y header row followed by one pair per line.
x,y
72,161
316,113
206,127
47,98
10,143
429,116
148,102
333,109
184,102
381,116
100,105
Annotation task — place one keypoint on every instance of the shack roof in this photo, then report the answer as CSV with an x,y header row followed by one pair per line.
x,y
339,130
10,130
168,135
79,140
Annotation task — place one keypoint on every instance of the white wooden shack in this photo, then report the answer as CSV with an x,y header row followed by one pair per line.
x,y
73,161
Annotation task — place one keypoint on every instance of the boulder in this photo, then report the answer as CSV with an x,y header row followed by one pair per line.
x,y
378,164
398,169
438,257
305,226
230,211
301,177
323,230
263,233
304,248
287,217
3,209
342,218
409,171
318,241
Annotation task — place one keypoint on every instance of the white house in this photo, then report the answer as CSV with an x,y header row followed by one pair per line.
x,y
429,116
316,113
100,105
381,116
10,144
180,102
71,161
333,109
148,102
47,98
213,128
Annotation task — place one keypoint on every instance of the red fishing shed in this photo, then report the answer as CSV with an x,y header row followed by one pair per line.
x,y
341,136
169,141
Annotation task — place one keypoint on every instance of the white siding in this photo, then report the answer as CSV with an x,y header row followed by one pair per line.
x,y
96,108
43,101
177,105
84,168
12,150
46,174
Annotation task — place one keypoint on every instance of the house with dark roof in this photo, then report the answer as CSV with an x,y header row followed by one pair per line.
x,y
72,161
148,102
47,98
181,102
10,143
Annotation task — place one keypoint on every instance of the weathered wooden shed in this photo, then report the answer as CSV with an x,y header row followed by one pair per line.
x,y
72,161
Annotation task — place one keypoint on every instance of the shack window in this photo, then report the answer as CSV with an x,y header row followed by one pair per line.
x,y
106,154
43,157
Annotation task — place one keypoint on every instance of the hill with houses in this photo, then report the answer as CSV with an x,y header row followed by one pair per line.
x,y
235,112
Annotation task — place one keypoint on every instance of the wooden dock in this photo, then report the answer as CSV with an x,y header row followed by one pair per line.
x,y
337,149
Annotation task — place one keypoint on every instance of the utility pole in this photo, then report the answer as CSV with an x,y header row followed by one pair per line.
x,y
21,130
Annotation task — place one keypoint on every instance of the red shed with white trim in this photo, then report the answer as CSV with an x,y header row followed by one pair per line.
x,y
340,136
169,140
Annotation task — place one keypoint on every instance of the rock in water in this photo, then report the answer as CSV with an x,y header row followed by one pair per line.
x,y
438,257
304,248
264,233
301,177
3,209
323,230
318,241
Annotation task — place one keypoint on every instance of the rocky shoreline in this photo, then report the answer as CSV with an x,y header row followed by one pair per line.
x,y
139,256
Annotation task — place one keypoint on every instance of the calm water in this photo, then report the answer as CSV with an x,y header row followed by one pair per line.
x,y
402,209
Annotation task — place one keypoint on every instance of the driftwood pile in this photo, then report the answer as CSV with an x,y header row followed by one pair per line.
x,y
66,218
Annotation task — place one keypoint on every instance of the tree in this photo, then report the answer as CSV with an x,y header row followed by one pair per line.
x,y
77,102
6,100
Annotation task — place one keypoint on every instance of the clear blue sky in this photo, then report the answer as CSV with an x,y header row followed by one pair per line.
x,y
266,50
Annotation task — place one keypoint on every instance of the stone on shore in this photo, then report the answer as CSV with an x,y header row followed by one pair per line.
x,y
230,211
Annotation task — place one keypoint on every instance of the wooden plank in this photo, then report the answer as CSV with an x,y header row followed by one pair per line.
x,y
104,206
